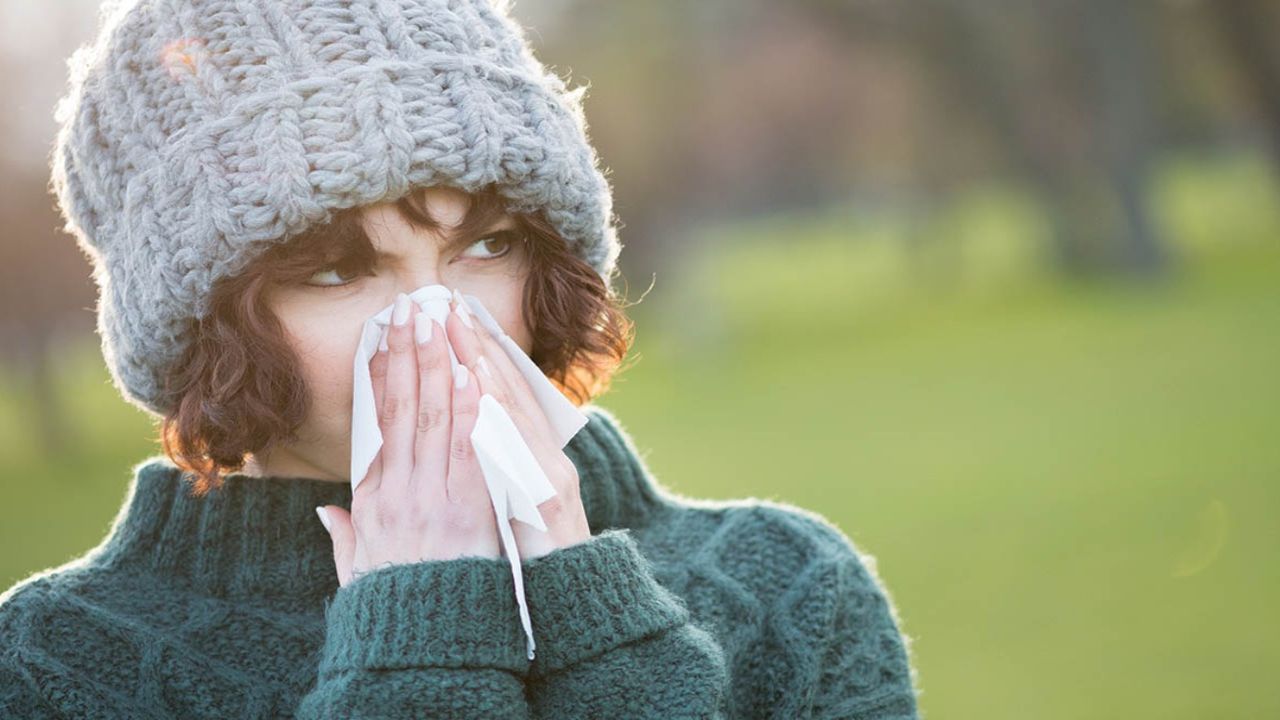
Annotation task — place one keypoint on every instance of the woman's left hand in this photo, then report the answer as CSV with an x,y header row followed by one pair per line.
x,y
489,364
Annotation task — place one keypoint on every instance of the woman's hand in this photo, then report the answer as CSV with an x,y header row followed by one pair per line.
x,y
564,514
424,497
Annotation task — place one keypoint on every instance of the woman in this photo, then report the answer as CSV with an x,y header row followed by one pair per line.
x,y
253,181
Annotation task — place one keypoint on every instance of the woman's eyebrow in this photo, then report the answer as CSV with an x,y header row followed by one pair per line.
x,y
500,223
452,239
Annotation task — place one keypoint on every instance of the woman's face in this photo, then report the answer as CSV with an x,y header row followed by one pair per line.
x,y
324,319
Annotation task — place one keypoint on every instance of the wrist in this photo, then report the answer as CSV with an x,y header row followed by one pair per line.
x,y
560,533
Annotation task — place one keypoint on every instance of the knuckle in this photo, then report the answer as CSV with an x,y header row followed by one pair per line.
x,y
520,417
417,519
464,406
393,408
553,505
459,519
398,340
460,451
432,362
432,417
505,398
388,515
564,467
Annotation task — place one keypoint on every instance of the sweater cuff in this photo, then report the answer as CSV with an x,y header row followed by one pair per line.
x,y
458,613
593,596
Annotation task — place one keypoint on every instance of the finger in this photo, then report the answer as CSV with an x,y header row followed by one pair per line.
x,y
462,334
518,398
378,376
468,337
465,483
491,345
400,404
543,451
546,454
343,536
435,391
527,414
487,383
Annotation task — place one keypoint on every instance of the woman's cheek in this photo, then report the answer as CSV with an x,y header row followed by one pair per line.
x,y
503,303
328,421
325,365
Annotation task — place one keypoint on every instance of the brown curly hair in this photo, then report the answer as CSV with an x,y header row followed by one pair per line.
x,y
239,389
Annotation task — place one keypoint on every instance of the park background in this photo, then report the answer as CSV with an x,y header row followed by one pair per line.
x,y
993,286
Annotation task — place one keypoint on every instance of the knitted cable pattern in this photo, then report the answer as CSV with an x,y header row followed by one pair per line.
x,y
229,607
197,134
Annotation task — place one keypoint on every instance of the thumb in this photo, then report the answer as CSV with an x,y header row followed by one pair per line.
x,y
338,523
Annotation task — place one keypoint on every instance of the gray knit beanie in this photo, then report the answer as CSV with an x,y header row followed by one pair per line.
x,y
197,134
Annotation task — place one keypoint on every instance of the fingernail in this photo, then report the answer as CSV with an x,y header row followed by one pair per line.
x,y
464,314
484,366
324,516
422,328
460,307
382,340
400,315
460,376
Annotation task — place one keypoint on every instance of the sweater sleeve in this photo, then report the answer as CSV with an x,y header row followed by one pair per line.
x,y
433,639
866,670
19,697
612,642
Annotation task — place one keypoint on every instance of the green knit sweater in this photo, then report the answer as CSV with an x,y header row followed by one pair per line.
x,y
229,607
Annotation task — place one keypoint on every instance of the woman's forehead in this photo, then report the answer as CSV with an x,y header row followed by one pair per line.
x,y
389,227
446,204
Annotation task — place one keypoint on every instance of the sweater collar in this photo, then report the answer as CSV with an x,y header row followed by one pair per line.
x,y
260,537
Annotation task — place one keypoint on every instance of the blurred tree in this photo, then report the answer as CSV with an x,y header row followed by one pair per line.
x,y
1123,80
1065,88
46,292
46,299
1252,28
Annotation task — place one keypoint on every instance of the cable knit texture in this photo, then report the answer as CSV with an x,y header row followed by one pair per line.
x,y
228,607
196,135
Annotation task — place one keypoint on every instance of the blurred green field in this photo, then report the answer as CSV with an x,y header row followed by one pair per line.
x,y
1070,488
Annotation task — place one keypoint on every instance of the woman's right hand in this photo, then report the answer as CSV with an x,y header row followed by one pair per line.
x,y
424,497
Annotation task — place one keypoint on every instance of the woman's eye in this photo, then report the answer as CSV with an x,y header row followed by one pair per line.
x,y
494,245
336,275
345,271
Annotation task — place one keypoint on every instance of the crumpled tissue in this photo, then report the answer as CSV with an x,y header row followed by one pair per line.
x,y
516,483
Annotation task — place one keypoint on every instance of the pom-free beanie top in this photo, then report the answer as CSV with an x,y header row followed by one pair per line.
x,y
228,606
194,136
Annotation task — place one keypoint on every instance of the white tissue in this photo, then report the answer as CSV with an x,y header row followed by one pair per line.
x,y
516,483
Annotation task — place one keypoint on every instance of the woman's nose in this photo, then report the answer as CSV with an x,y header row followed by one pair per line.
x,y
422,273
409,283
419,282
